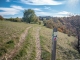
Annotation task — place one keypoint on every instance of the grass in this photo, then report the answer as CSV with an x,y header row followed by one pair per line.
x,y
9,35
11,31
45,38
28,51
65,49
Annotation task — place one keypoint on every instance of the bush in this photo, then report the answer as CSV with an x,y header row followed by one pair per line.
x,y
60,30
48,23
14,19
39,22
2,50
10,44
1,18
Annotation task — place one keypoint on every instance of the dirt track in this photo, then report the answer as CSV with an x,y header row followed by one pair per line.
x,y
17,46
38,48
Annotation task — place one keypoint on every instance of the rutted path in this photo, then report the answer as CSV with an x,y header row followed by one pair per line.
x,y
38,47
17,46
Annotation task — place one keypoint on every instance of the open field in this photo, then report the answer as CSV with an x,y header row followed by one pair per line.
x,y
10,33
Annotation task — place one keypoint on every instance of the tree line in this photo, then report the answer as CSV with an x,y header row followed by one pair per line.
x,y
29,16
66,25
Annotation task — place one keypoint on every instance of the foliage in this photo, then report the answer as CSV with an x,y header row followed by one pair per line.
x,y
60,30
17,19
10,44
30,16
40,22
2,50
48,23
1,18
66,25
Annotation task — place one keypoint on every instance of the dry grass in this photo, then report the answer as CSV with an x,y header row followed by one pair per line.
x,y
46,38
65,47
10,31
28,51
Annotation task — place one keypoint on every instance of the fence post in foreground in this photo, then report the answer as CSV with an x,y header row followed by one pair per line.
x,y
54,41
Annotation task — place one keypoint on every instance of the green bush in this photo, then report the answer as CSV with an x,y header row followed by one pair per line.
x,y
1,18
10,44
2,50
39,22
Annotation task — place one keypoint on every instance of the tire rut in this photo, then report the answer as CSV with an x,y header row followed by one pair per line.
x,y
38,47
17,46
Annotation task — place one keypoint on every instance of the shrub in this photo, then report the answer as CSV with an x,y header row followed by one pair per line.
x,y
39,22
10,44
2,50
1,18
60,30
48,23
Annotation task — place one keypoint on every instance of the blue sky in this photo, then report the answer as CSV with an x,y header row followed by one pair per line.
x,y
59,8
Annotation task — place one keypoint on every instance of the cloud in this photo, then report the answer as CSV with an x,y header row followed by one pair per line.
x,y
57,14
7,0
49,8
63,13
10,11
41,2
36,9
17,7
43,13
72,3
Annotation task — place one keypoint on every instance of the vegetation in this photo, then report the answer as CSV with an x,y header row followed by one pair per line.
x,y
1,18
65,46
17,19
30,16
66,25
45,38
48,23
28,50
9,35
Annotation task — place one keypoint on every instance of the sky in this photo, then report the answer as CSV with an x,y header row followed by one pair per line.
x,y
55,8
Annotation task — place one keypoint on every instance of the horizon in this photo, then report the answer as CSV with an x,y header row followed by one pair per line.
x,y
54,8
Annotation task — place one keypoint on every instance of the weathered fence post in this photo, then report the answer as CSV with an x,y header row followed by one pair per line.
x,y
54,41
78,39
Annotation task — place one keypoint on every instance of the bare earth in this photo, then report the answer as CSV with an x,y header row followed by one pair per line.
x,y
17,46
38,48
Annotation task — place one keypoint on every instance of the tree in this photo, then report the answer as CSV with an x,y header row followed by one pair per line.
x,y
17,19
30,16
1,18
